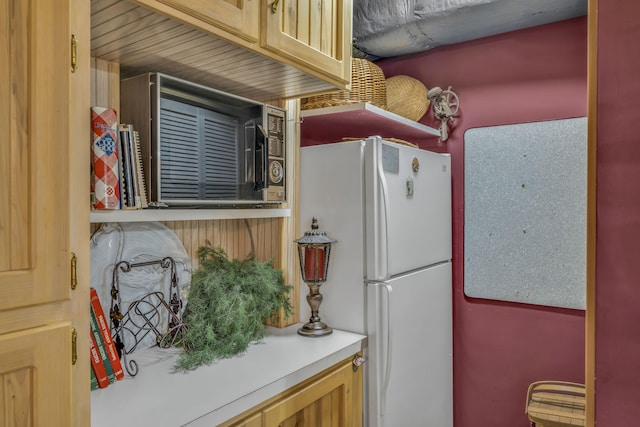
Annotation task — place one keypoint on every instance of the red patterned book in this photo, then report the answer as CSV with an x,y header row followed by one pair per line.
x,y
103,326
97,365
104,154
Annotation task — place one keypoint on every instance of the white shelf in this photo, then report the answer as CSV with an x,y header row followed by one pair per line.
x,y
332,124
174,214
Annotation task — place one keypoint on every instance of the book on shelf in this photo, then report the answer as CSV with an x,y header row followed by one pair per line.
x,y
105,333
141,186
105,164
132,177
126,159
100,347
97,365
94,380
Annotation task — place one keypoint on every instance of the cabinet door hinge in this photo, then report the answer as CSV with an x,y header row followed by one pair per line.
x,y
74,271
74,346
74,53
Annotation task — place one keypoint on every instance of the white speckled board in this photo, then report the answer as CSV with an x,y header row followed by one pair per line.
x,y
525,212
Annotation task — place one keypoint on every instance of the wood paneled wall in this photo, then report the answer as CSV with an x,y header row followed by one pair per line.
x,y
238,237
105,84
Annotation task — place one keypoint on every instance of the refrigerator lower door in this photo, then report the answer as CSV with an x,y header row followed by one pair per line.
x,y
409,371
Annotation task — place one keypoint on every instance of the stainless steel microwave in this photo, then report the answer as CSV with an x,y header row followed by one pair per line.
x,y
204,147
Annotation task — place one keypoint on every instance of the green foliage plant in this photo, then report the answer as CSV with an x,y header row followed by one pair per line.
x,y
228,303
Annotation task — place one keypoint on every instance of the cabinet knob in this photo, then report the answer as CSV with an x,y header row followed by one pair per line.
x,y
357,361
274,6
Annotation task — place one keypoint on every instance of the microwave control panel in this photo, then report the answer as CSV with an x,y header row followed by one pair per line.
x,y
275,121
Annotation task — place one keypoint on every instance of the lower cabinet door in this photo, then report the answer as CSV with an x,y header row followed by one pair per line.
x,y
324,402
35,372
332,398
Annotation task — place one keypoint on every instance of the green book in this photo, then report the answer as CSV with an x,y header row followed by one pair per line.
x,y
94,380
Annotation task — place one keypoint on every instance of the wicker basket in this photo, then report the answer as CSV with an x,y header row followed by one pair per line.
x,y
367,85
407,97
556,404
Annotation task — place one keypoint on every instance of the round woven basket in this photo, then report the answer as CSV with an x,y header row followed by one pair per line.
x,y
367,85
407,97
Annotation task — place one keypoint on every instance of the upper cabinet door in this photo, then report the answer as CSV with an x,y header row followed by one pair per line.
x,y
315,33
239,17
34,153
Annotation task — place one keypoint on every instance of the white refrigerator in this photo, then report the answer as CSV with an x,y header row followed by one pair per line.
x,y
388,205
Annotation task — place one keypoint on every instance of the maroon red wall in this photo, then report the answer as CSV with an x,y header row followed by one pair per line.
x,y
618,215
530,75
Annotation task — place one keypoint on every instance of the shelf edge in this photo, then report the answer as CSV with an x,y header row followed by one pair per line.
x,y
145,215
366,106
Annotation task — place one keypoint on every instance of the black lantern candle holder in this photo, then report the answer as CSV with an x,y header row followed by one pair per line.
x,y
314,249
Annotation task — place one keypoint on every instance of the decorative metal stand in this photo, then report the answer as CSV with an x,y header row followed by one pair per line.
x,y
144,315
315,327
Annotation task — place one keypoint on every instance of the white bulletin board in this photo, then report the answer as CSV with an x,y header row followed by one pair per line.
x,y
525,212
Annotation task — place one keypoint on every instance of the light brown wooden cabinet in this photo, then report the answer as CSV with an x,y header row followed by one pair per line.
x,y
332,398
39,94
314,33
238,17
259,49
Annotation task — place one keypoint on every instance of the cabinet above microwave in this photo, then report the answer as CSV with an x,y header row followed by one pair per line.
x,y
246,48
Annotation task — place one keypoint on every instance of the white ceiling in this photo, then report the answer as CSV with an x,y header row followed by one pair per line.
x,y
386,28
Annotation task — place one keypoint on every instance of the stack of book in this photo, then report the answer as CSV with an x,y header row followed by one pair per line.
x,y
117,180
132,185
105,361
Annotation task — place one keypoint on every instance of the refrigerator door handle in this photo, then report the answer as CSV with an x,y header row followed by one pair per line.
x,y
382,264
387,371
388,347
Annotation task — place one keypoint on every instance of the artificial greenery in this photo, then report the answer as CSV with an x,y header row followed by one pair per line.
x,y
229,300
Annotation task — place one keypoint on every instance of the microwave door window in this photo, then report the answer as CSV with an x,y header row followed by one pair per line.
x,y
249,152
262,159
255,156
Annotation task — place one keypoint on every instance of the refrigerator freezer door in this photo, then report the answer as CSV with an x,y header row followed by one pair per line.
x,y
410,374
407,208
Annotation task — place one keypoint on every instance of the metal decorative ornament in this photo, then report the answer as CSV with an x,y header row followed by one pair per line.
x,y
445,104
415,165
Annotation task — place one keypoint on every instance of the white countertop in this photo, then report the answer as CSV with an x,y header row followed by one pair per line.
x,y
213,394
